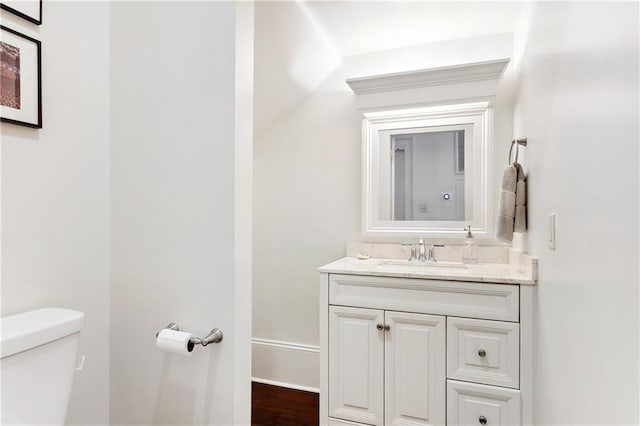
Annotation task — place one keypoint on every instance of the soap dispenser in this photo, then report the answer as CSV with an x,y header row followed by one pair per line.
x,y
470,249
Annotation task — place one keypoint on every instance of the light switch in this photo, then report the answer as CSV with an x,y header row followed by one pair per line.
x,y
551,239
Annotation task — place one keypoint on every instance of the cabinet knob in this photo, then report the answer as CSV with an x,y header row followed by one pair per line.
x,y
380,327
482,420
482,353
387,328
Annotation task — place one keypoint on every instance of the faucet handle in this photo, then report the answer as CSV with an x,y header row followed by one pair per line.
x,y
412,246
432,257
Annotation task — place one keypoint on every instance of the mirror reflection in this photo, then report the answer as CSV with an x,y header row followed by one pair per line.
x,y
428,176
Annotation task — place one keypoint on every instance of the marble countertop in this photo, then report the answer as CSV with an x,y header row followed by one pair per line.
x,y
501,273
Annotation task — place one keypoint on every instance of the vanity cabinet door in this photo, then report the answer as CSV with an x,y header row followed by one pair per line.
x,y
415,382
356,350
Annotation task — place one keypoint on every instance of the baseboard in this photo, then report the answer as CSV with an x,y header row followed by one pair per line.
x,y
285,385
286,364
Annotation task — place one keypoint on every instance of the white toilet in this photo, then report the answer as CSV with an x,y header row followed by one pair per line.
x,y
37,362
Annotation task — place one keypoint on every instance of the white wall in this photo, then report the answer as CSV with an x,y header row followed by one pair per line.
x,y
55,192
293,56
174,159
307,198
578,105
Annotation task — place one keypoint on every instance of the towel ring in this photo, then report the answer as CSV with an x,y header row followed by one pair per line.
x,y
517,142
513,142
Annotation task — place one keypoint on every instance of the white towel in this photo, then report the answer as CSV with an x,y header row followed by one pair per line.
x,y
520,222
507,206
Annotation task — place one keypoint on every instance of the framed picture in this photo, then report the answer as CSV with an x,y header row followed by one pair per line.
x,y
31,10
20,88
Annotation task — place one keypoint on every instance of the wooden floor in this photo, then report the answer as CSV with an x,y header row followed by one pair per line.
x,y
278,406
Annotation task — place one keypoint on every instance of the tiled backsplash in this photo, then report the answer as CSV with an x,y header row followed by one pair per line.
x,y
452,253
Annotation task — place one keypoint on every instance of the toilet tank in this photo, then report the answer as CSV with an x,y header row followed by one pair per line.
x,y
37,361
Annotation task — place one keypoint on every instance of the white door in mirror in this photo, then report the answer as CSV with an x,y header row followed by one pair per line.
x,y
552,231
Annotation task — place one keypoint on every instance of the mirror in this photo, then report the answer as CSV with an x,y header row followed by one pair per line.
x,y
425,170
426,174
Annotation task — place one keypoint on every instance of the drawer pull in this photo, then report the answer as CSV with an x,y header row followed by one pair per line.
x,y
482,353
380,327
482,420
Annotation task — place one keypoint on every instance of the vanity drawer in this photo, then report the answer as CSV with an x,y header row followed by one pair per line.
x,y
471,404
483,351
438,297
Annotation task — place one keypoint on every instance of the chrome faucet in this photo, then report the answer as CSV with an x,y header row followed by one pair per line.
x,y
421,251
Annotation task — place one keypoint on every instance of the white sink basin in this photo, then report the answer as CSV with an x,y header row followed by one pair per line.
x,y
437,267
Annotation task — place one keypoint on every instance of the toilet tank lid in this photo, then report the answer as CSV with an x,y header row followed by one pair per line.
x,y
27,330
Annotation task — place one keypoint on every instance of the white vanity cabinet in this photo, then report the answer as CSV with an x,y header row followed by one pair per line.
x,y
386,367
421,351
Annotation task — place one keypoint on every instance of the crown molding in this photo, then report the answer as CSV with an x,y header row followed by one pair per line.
x,y
454,74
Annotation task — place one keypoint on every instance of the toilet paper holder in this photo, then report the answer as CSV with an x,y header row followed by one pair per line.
x,y
214,336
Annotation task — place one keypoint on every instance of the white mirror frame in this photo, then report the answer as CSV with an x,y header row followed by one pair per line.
x,y
478,114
